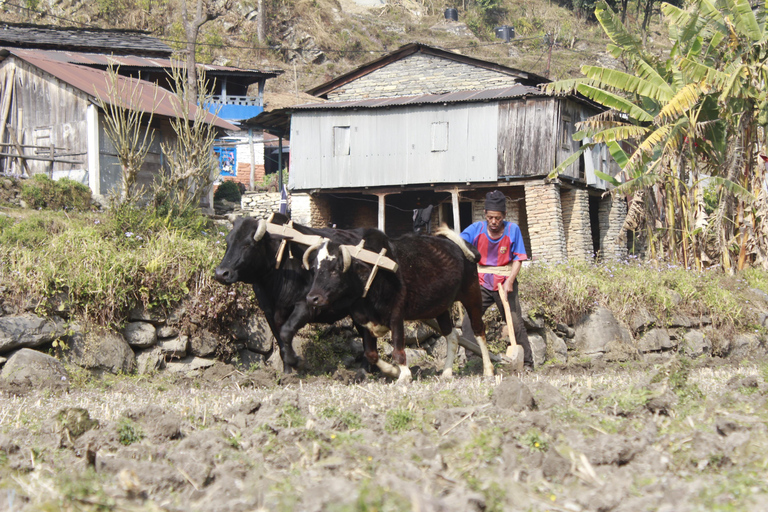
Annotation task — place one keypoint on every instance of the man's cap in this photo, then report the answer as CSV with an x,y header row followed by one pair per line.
x,y
495,201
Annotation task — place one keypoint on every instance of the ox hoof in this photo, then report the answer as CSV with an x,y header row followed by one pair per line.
x,y
405,376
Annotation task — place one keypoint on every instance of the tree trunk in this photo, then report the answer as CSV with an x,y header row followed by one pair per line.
x,y
261,22
191,32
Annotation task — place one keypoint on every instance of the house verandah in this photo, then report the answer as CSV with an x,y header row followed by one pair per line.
x,y
559,221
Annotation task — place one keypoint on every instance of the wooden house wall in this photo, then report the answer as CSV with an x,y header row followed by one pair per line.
x,y
526,131
44,111
109,165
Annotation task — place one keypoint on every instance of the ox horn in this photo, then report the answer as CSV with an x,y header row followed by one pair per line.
x,y
346,258
271,216
310,250
261,228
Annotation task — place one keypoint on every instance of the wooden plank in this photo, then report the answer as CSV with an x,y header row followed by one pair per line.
x,y
377,259
499,271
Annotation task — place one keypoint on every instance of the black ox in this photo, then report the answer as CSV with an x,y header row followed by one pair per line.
x,y
433,273
281,292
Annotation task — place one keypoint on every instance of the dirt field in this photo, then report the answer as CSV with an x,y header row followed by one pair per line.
x,y
671,436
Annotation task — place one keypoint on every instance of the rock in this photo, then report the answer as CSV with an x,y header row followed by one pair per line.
x,y
546,395
149,361
203,343
260,337
416,333
538,347
27,367
176,315
680,320
725,426
28,330
565,331
142,315
101,351
655,340
641,319
174,347
596,330
557,350
140,334
249,360
695,344
415,356
189,364
513,394
744,344
167,331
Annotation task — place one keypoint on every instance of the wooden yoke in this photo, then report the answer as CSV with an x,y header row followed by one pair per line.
x,y
499,271
290,234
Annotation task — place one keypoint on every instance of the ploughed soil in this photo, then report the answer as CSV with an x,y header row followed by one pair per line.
x,y
664,435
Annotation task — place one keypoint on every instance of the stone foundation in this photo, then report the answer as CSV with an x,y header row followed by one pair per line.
x,y
545,222
576,224
613,243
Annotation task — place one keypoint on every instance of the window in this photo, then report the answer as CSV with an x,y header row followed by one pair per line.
x,y
340,140
565,135
439,136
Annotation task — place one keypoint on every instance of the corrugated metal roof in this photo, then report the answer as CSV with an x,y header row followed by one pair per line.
x,y
134,61
515,91
94,82
116,41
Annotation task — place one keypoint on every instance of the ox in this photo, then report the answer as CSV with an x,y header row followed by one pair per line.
x,y
281,292
433,272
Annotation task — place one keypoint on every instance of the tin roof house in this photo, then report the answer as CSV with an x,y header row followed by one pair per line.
x,y
52,78
424,126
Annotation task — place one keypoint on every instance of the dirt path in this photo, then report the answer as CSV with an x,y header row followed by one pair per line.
x,y
667,437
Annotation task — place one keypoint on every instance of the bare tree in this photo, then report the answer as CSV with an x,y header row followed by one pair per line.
x,y
127,127
192,165
205,11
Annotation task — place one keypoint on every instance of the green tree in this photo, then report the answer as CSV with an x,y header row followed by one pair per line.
x,y
670,113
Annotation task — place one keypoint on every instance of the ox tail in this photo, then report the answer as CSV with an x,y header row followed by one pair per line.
x,y
470,252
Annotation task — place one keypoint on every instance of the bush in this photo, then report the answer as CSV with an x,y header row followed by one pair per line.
x,y
64,194
228,191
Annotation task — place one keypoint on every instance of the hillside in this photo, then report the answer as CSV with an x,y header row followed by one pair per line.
x,y
316,40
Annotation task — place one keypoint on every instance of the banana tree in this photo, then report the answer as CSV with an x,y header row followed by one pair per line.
x,y
665,130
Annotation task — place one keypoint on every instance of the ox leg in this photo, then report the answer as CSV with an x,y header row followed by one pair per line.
x,y
450,353
475,314
372,354
398,353
445,327
275,325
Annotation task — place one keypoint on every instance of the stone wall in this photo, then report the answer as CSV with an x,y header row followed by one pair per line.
x,y
261,204
545,221
613,243
420,74
576,223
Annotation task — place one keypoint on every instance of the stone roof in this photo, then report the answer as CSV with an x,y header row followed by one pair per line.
x,y
134,42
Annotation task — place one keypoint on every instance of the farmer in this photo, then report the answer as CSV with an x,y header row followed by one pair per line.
x,y
500,244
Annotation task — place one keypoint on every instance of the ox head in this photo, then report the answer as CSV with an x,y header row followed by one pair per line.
x,y
246,254
331,263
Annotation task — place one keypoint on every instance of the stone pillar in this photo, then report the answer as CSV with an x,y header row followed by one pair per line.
x,y
576,224
301,208
545,221
320,212
612,212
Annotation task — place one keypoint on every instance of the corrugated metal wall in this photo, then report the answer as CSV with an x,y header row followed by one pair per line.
x,y
393,147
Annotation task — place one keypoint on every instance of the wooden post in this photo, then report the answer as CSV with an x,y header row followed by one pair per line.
x,y
253,158
6,104
19,150
455,201
92,136
382,214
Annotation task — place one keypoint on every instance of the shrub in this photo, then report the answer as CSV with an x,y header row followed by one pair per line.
x,y
64,194
228,191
